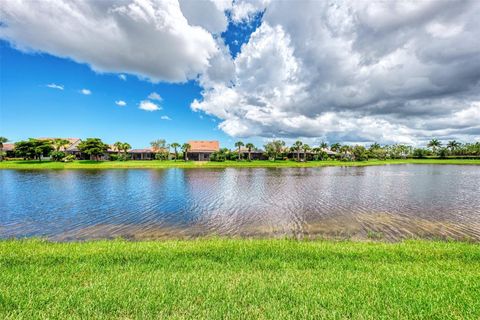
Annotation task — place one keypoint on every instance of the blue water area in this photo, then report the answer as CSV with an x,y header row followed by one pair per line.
x,y
393,202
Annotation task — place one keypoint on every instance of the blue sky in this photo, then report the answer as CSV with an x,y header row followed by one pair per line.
x,y
352,72
30,108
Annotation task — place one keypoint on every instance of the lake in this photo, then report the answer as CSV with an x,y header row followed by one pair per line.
x,y
391,202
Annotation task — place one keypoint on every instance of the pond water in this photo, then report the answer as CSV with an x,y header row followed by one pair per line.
x,y
389,202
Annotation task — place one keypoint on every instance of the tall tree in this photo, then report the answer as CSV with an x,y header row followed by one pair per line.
x,y
118,146
274,148
175,145
323,145
33,149
434,144
453,145
125,147
94,147
185,148
335,147
249,146
297,146
306,148
2,141
59,144
239,145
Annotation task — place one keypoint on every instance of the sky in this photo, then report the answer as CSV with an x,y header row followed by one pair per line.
x,y
337,71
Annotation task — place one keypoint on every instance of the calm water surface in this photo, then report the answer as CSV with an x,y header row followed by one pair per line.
x,y
388,202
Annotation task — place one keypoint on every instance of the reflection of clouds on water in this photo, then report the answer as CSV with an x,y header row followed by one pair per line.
x,y
347,202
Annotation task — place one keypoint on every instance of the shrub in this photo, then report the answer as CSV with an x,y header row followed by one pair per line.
x,y
57,155
69,158
419,153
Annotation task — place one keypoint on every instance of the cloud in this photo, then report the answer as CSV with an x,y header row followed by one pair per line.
x,y
86,92
55,86
155,96
149,106
122,77
120,103
165,118
207,14
351,71
151,39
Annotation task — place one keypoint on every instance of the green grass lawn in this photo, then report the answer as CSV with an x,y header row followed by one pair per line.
x,y
227,164
239,279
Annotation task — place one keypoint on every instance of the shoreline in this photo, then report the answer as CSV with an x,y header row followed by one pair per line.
x,y
156,164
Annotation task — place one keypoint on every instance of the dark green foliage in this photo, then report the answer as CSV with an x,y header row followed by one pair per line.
x,y
57,155
94,147
33,149
420,153
360,153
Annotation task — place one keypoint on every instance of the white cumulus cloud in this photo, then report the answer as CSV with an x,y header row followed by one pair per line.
x,y
155,96
149,38
165,118
149,106
86,92
120,103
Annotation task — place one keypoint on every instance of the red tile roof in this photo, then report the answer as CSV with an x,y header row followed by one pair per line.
x,y
8,146
204,146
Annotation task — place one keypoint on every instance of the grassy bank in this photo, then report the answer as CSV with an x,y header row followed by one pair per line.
x,y
239,279
155,164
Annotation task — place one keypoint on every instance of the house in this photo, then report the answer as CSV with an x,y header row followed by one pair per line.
x,y
201,150
9,149
142,154
255,154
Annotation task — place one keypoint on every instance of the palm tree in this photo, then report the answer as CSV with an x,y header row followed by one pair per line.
x,y
297,146
323,145
239,144
185,148
125,147
60,143
335,147
374,146
346,149
434,144
118,146
249,146
453,145
306,148
175,145
2,141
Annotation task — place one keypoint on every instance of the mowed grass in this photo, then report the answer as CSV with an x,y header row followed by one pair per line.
x,y
239,279
156,164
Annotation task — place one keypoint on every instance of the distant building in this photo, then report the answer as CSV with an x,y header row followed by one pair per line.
x,y
142,154
9,149
255,154
202,150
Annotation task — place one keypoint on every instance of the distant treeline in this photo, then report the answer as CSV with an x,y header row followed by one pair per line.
x,y
95,148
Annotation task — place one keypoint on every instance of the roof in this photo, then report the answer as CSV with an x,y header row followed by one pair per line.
x,y
73,146
8,147
146,150
204,146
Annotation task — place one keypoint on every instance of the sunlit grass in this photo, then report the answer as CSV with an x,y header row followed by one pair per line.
x,y
227,164
239,279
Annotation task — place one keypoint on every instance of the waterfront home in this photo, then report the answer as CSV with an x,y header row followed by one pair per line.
x,y
9,149
142,154
255,154
202,150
